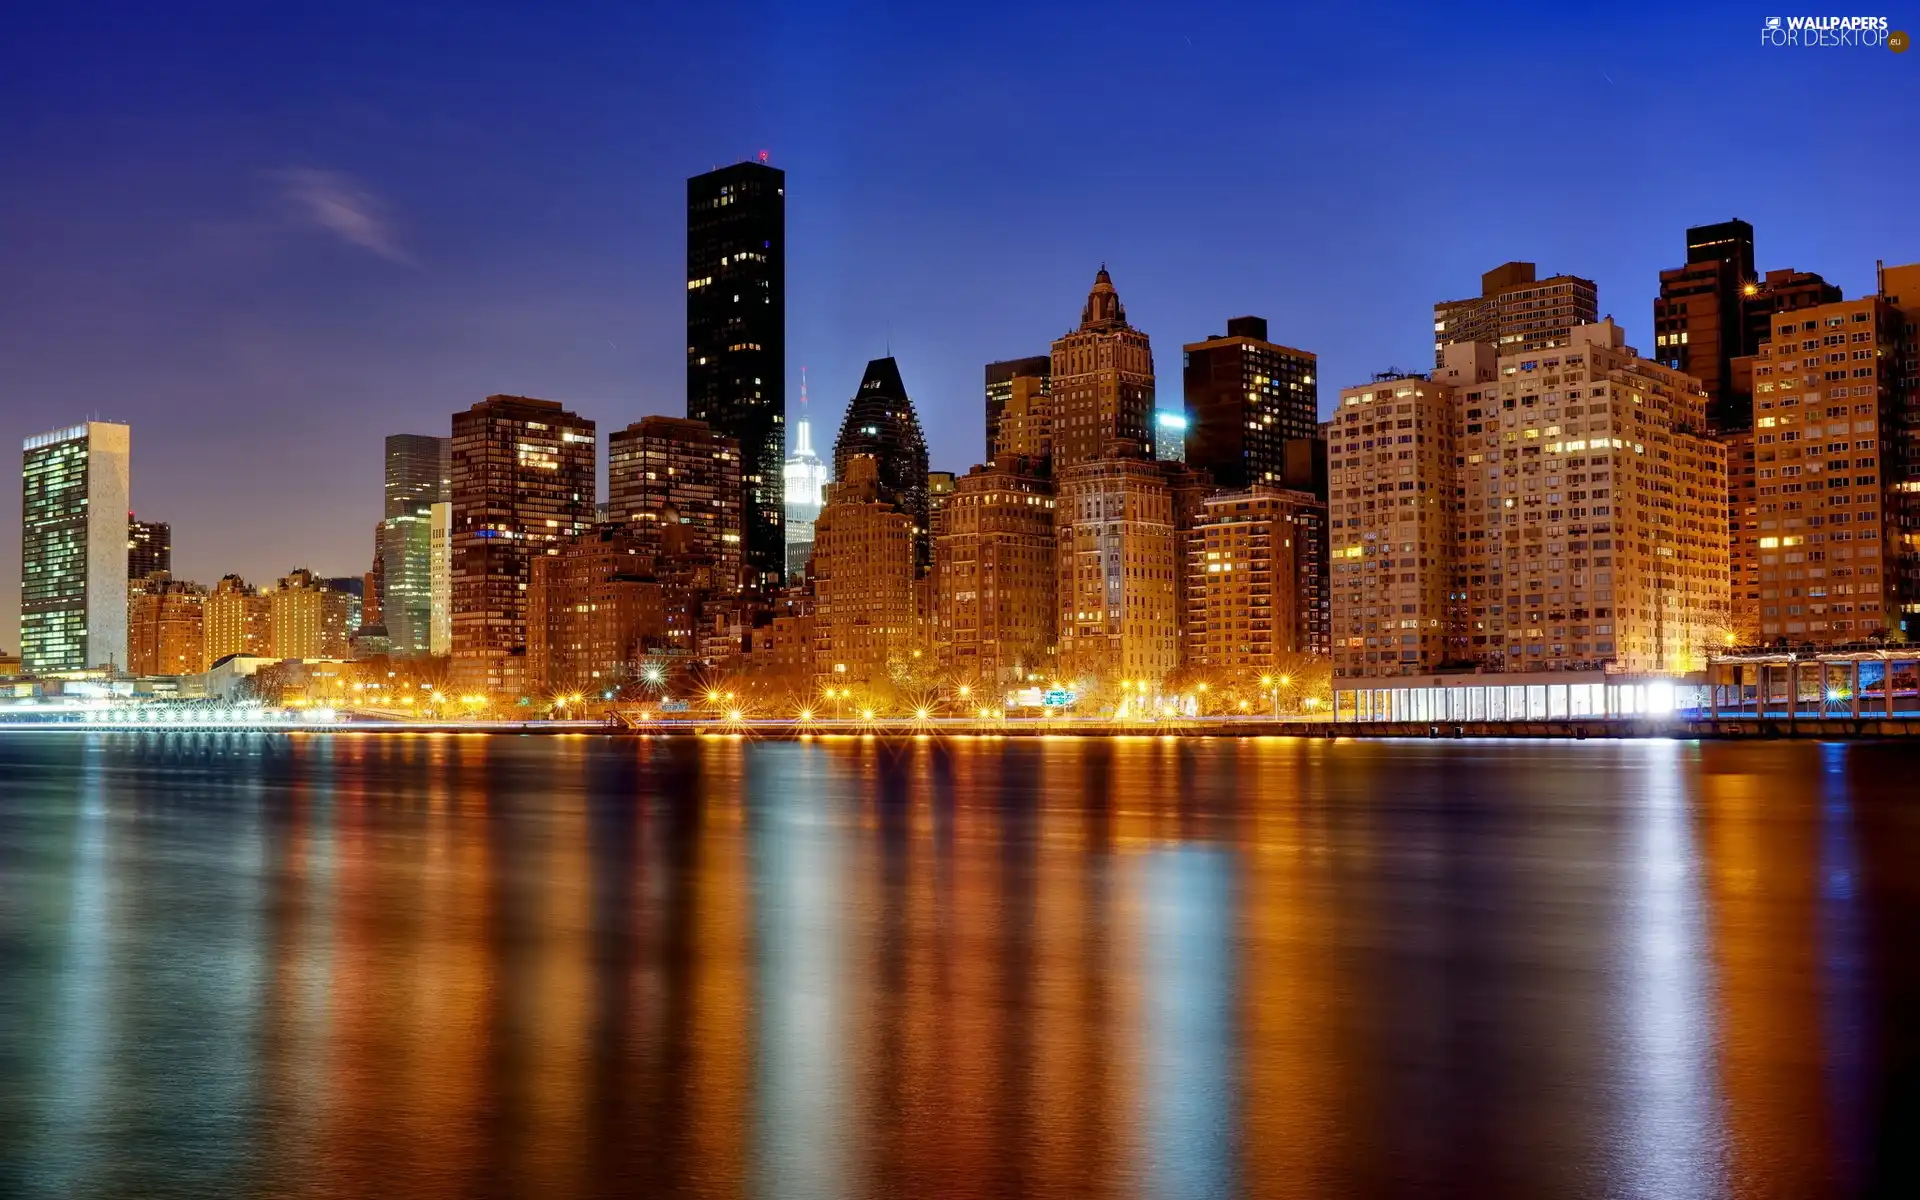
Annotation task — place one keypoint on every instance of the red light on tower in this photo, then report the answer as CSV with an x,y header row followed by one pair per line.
x,y
763,156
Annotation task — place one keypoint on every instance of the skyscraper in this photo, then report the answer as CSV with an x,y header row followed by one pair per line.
x,y
1102,381
1836,397
1397,608
1256,580
166,629
1776,292
1170,435
1246,399
1696,317
1037,371
667,471
419,471
737,338
1711,319
236,620
1515,311
806,489
594,612
1562,509
310,618
440,579
73,577
995,574
149,548
1118,560
417,477
373,585
880,423
523,482
1025,429
864,610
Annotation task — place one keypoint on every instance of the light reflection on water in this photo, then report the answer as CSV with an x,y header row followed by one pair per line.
x,y
235,964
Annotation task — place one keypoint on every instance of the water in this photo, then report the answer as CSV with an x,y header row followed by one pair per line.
x,y
245,965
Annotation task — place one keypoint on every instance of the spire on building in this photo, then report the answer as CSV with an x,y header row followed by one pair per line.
x,y
881,422
805,479
1103,311
803,431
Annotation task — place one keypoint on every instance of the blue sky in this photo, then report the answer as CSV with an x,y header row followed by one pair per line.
x,y
268,235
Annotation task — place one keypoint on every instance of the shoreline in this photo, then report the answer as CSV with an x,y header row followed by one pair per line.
x,y
1772,728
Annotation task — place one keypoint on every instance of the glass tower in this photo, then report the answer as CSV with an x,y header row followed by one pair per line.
x,y
418,473
737,339
73,576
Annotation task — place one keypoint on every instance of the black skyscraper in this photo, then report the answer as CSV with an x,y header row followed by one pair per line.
x,y
880,421
149,548
737,338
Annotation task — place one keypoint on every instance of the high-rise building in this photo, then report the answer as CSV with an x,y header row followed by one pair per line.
x,y
665,471
1188,490
419,471
1711,318
939,490
994,575
1591,527
236,619
880,424
1170,436
1256,581
310,619
1102,381
783,648
1900,288
523,483
1621,553
73,578
594,612
354,588
1002,378
1118,558
373,584
737,339
806,490
1714,313
1516,312
166,630
1777,292
864,577
1697,316
1394,518
440,579
1025,429
1784,291
149,548
418,475
1246,399
1832,537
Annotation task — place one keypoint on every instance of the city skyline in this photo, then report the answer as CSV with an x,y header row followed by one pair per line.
x,y
313,340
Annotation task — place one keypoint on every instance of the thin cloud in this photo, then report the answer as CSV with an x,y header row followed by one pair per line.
x,y
336,202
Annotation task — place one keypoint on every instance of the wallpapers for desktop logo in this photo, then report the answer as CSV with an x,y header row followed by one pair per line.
x,y
1867,32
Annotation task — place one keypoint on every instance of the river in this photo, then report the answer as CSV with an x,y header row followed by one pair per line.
x,y
435,966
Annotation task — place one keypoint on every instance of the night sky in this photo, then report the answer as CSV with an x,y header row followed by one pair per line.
x,y
269,235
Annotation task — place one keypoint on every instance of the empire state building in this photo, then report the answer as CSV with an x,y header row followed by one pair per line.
x,y
806,477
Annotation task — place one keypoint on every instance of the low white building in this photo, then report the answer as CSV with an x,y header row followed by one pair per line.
x,y
1495,696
